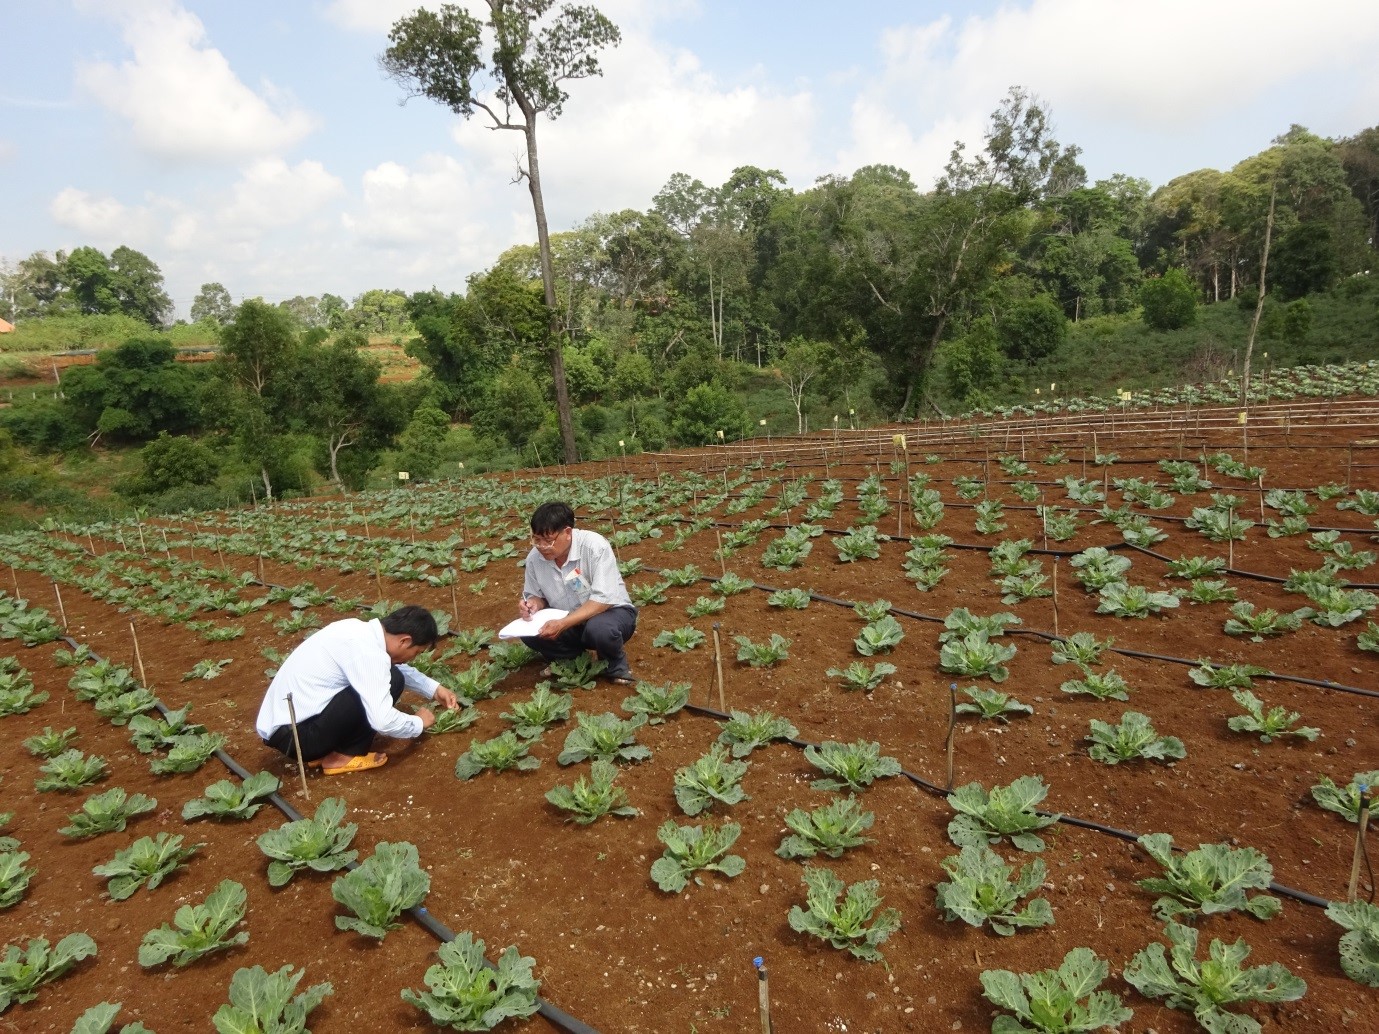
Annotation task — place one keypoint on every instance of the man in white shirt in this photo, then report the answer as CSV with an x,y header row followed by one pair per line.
x,y
345,681
575,570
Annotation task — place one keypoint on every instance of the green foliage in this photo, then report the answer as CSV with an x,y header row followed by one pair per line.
x,y
979,890
879,636
385,885
1080,648
119,708
145,863
579,672
1132,739
859,675
855,765
1211,879
452,719
530,717
106,812
745,732
1133,601
17,695
991,703
692,849
592,798
49,744
24,970
14,877
681,640
1360,945
711,778
226,799
1055,1001
790,599
198,930
1245,620
1169,302
1033,328
829,829
657,702
468,994
263,1003
1205,988
705,605
604,736
975,656
762,655
70,771
187,753
1106,685
100,1018
320,843
159,732
860,543
1344,800
1006,811
1277,721
853,923
501,753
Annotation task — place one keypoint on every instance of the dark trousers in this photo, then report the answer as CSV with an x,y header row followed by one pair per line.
x,y
603,633
342,726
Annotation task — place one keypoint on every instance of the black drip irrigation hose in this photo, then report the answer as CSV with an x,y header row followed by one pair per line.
x,y
424,918
1096,827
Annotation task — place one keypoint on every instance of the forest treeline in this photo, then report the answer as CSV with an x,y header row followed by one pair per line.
x,y
860,292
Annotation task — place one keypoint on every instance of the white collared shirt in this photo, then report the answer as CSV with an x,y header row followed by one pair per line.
x,y
347,653
590,572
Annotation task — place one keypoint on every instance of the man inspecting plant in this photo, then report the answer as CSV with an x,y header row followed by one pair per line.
x,y
574,570
343,685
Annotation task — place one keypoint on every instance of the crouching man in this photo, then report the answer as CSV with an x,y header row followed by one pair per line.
x,y
345,681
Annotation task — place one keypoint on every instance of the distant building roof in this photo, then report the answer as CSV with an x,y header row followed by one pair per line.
x,y
6,327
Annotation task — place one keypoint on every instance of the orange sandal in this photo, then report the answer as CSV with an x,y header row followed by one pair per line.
x,y
359,763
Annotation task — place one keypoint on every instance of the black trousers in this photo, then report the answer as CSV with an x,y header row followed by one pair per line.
x,y
603,633
343,725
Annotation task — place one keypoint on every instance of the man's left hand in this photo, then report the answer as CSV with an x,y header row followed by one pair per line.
x,y
551,630
445,697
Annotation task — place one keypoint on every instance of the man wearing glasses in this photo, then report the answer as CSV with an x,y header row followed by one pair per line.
x,y
575,570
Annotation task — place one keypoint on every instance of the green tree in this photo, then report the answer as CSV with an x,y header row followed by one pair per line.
x,y
138,287
419,447
802,362
1033,328
437,55
1170,301
972,364
255,368
134,391
174,461
515,408
1304,261
213,304
705,411
339,399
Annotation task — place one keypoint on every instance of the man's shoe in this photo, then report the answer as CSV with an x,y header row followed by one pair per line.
x,y
626,678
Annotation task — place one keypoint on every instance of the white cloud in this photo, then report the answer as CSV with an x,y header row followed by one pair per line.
x,y
1140,69
370,15
101,218
180,96
271,194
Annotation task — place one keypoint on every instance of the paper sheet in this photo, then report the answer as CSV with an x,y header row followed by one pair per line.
x,y
530,626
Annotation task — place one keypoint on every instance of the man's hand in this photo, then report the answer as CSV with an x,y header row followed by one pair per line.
x,y
428,719
445,698
529,605
551,629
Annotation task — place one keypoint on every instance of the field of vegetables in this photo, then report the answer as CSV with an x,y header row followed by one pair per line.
x,y
986,697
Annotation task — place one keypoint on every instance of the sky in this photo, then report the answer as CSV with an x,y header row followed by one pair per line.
x,y
256,143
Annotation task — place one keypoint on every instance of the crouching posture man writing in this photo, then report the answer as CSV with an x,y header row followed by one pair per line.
x,y
345,681
575,570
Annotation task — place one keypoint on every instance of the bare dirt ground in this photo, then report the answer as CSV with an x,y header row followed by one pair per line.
x,y
621,955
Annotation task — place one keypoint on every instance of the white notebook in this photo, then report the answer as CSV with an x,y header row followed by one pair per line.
x,y
530,626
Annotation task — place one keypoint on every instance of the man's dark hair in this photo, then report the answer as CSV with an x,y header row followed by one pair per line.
x,y
413,621
552,517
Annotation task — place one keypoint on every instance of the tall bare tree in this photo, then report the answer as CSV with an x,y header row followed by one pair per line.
x,y
437,55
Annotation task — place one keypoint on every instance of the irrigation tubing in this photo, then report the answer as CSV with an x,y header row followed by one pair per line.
x,y
424,918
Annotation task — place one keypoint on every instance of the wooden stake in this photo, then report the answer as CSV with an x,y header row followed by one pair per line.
x,y
142,547
722,562
297,746
763,995
166,551
952,728
138,657
60,608
454,603
378,581
91,542
1055,595
718,661
14,578
1359,844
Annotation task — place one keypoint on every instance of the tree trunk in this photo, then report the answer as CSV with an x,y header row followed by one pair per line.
x,y
1259,305
267,484
335,445
543,238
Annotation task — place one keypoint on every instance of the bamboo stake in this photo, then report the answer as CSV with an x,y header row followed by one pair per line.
x,y
952,728
60,608
166,551
722,562
1055,595
138,657
454,603
718,662
14,578
1359,843
297,746
763,994
142,547
91,542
